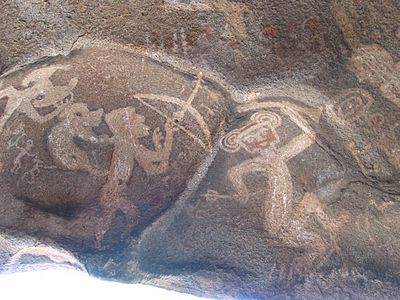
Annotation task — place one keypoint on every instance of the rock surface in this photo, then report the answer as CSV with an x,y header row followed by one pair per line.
x,y
230,149
100,133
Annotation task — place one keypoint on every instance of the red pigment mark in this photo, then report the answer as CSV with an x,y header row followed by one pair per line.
x,y
207,31
304,180
266,141
312,23
270,31
377,120
234,44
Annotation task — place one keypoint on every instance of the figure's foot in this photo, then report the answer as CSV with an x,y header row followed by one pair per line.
x,y
103,227
131,219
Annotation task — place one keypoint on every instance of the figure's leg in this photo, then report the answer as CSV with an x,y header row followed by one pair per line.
x,y
313,246
103,226
111,202
278,207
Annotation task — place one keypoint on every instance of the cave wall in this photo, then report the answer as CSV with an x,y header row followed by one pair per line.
x,y
230,149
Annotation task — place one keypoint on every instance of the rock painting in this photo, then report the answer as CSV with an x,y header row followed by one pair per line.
x,y
352,105
374,65
26,157
185,108
116,144
128,127
285,223
358,122
233,12
38,92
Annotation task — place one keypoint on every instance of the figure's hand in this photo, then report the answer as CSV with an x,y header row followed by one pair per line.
x,y
171,126
157,138
242,198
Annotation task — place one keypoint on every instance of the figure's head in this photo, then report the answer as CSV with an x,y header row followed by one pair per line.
x,y
79,113
351,105
255,136
373,64
28,145
41,90
127,121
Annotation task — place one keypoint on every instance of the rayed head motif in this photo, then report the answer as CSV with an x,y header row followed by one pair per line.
x,y
255,136
351,105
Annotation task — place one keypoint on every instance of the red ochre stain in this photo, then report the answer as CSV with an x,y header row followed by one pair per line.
x,y
304,180
266,141
312,23
270,31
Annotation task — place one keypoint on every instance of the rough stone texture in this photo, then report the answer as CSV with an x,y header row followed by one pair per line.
x,y
230,149
99,131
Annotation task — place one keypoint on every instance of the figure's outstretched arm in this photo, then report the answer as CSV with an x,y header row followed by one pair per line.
x,y
237,175
169,138
157,162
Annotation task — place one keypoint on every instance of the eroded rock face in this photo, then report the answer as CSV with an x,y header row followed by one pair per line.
x,y
260,207
218,181
279,204
254,40
85,141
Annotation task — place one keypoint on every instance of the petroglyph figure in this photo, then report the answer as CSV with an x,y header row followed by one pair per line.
x,y
128,127
374,65
284,223
185,108
352,105
26,158
16,132
30,175
23,151
39,92
351,113
76,122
